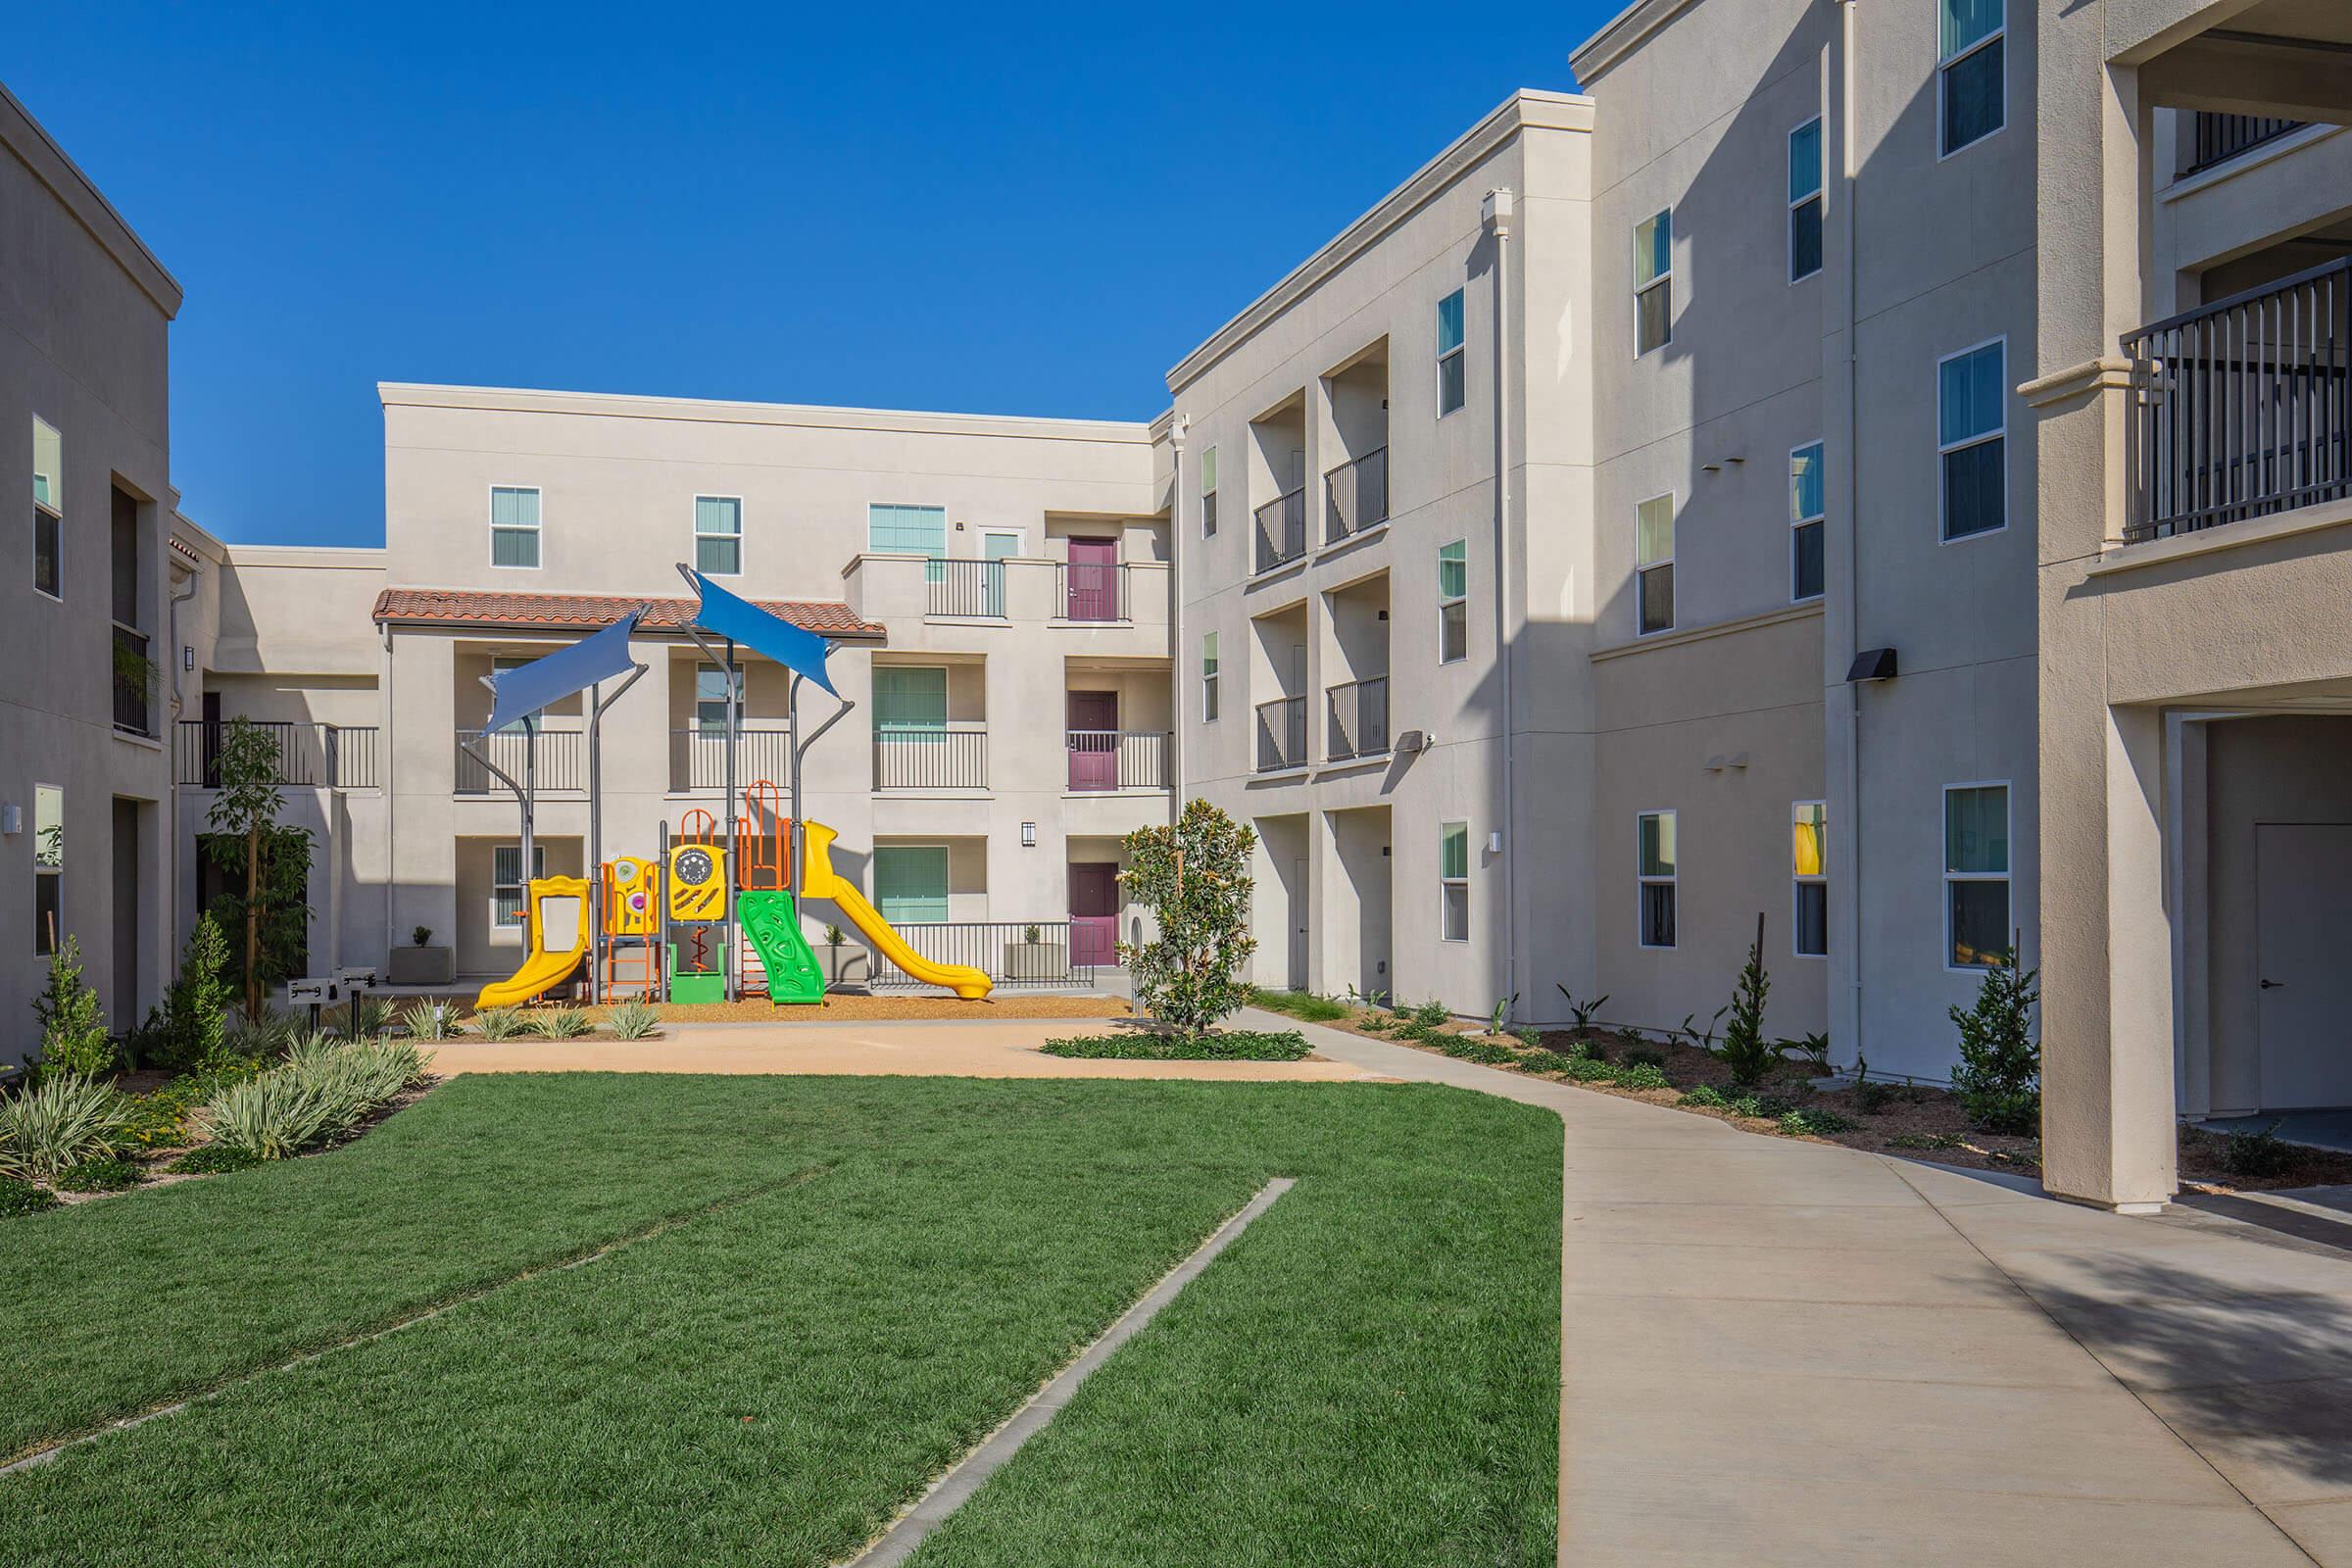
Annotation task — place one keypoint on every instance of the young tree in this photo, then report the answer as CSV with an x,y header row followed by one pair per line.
x,y
193,1029
73,1038
1195,878
1999,1076
1745,1051
276,861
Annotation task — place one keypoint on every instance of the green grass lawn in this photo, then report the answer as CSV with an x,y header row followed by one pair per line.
x,y
864,1276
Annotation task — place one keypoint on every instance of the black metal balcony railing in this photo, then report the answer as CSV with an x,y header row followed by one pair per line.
x,y
1355,496
965,588
1359,724
556,759
1010,952
926,757
2221,137
1117,759
309,755
1282,530
1281,734
698,758
1091,590
134,682
2244,408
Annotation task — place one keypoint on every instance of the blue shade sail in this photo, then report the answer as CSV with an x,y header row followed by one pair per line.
x,y
796,648
526,689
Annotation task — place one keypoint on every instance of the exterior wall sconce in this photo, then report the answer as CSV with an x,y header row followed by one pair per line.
x,y
1028,835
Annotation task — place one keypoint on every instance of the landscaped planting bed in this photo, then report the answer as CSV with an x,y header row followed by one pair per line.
x,y
1221,1045
816,1293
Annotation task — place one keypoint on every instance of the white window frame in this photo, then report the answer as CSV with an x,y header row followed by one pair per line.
x,y
1820,193
55,508
55,873
1447,601
1674,509
703,667
1797,881
1212,705
1446,884
1209,492
522,889
538,529
1664,280
1944,66
2000,433
1798,524
1644,881
1944,855
692,516
1458,351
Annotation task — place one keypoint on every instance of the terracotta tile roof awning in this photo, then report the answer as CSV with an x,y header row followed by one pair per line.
x,y
490,611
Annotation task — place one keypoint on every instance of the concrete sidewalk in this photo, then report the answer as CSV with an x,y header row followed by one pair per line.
x,y
1781,1352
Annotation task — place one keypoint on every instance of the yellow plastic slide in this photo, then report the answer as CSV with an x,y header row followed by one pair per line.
x,y
557,917
819,881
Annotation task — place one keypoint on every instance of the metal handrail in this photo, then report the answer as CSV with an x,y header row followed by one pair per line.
x,y
1355,496
1282,734
916,756
557,758
1282,529
1357,718
1117,759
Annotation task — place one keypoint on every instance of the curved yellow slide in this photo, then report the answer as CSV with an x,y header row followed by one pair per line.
x,y
558,921
818,880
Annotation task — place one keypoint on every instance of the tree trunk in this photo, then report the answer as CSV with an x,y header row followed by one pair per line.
x,y
253,924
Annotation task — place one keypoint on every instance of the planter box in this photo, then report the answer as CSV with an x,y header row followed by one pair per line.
x,y
1035,960
422,966
847,965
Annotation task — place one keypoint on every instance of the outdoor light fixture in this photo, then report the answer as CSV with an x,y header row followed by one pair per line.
x,y
1495,842
1872,663
1028,835
187,655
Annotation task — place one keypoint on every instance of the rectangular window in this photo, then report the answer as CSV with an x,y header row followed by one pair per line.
x,y
719,535
1809,865
711,700
910,882
1453,601
1971,430
1976,874
910,531
1208,494
513,526
1804,200
48,867
1208,677
1654,852
910,702
1971,75
48,510
1653,282
1453,881
505,881
1654,564
1808,504
1450,360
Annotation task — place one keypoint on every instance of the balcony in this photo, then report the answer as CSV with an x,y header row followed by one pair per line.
x,y
2242,409
698,758
312,756
965,588
1358,720
931,756
1281,734
134,682
2221,137
1091,591
1106,759
1355,496
1282,530
556,759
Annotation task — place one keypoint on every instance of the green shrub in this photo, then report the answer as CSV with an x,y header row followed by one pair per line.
x,y
498,1023
1481,1052
1433,1015
1237,1045
1814,1047
192,1028
1302,1004
2258,1153
1532,1038
264,1038
20,1196
429,1020
374,1015
1814,1123
1641,1075
1193,875
1643,1056
1999,1076
1580,1014
1923,1140
634,1020
61,1120
107,1175
560,1023
1706,1095
1745,1051
322,1093
74,1038
1552,1060
214,1159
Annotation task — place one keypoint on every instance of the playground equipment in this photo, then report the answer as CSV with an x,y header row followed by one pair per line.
x,y
556,916
630,967
819,880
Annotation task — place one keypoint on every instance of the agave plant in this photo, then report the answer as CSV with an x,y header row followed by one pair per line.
x,y
498,1023
429,1020
633,1020
560,1023
59,1122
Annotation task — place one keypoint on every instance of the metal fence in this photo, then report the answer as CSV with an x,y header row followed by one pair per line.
x,y
1355,496
2221,137
928,756
1282,530
698,758
1012,953
555,761
965,588
2244,408
314,755
1281,734
1118,760
1091,590
1358,719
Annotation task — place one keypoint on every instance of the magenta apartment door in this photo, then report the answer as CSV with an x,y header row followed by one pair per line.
x,y
1094,736
1094,912
1094,579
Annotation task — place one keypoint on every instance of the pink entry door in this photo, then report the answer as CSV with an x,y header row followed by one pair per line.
x,y
1094,579
1094,735
1094,912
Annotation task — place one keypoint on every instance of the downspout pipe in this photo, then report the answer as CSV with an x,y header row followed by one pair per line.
x,y
1848,188
1499,209
1178,428
179,706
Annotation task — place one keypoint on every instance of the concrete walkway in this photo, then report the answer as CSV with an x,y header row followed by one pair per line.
x,y
1781,1352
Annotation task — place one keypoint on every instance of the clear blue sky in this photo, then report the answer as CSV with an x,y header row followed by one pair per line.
x,y
904,206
